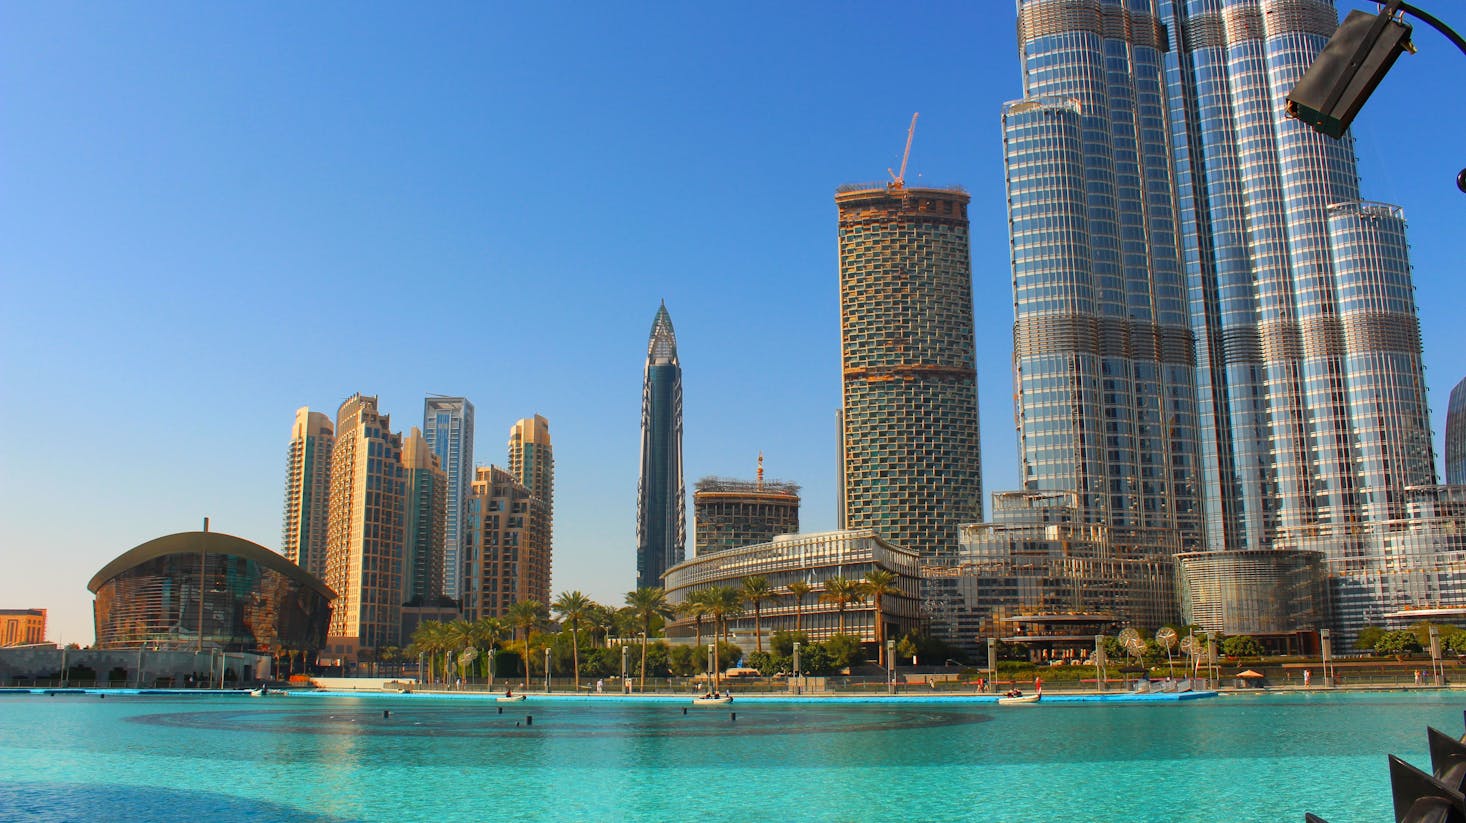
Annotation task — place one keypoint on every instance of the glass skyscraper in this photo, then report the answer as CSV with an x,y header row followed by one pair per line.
x,y
447,424
1456,436
661,497
911,460
1155,183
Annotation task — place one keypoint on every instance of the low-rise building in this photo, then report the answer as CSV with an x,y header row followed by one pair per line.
x,y
22,627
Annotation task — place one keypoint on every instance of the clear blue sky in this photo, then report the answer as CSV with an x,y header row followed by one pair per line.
x,y
213,214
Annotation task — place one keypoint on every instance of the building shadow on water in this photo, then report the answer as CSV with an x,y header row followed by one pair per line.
x,y
67,802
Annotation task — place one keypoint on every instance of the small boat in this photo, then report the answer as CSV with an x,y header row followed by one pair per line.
x,y
1021,699
712,700
509,698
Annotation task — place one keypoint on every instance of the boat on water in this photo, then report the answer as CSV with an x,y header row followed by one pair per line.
x,y
1019,700
266,692
509,698
712,700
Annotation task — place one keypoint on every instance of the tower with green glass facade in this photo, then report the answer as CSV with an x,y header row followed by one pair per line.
x,y
661,497
911,459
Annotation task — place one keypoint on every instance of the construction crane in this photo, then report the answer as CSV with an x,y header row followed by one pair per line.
x,y
898,180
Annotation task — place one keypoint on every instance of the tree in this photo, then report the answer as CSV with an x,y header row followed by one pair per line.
x,y
695,607
526,615
572,608
487,633
430,639
842,592
782,643
756,590
1397,642
723,602
877,584
647,603
1368,636
1241,645
798,589
844,650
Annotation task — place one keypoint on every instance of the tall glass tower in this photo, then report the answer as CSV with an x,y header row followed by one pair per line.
x,y
1456,436
1154,182
447,424
661,498
911,460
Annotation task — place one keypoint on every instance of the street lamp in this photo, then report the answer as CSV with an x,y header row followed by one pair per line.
x,y
492,655
799,685
642,687
547,670
890,667
623,667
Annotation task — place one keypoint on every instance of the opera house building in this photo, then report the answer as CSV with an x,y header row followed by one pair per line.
x,y
206,590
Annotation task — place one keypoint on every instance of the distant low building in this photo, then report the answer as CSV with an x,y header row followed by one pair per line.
x,y
807,558
22,627
206,590
1039,557
730,514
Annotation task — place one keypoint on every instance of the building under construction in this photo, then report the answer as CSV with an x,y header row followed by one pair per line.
x,y
732,514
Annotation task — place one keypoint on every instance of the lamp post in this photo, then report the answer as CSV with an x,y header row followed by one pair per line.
x,y
1437,669
890,667
492,654
1325,642
623,668
547,670
642,687
799,685
420,679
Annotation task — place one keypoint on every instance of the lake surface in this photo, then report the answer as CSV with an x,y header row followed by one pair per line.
x,y
1231,758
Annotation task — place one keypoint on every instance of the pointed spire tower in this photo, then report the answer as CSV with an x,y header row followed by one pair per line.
x,y
661,509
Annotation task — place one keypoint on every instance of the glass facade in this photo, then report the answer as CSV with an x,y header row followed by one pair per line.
x,y
911,455
1155,182
813,559
424,502
1039,555
661,497
447,424
1456,436
506,553
1258,592
238,595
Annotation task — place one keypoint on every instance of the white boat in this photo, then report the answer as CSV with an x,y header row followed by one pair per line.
x,y
712,700
509,698
264,692
1016,701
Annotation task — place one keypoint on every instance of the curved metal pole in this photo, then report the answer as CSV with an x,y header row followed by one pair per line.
x,y
1435,23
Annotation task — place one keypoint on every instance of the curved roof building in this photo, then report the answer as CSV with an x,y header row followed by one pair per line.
x,y
208,590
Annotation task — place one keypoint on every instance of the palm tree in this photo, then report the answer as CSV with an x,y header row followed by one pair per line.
x,y
488,633
877,584
572,608
526,615
799,589
648,602
600,620
723,602
842,591
695,607
430,639
756,590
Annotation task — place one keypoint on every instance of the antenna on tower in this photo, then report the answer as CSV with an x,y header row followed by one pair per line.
x,y
898,179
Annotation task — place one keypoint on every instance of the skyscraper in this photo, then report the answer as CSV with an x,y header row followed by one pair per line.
x,y
506,553
532,462
364,530
1153,181
661,502
1456,436
307,491
447,424
425,495
912,460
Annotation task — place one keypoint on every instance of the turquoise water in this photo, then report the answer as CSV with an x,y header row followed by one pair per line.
x,y
1234,758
